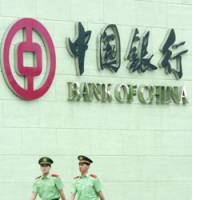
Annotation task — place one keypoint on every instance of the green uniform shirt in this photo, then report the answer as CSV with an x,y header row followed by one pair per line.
x,y
86,187
48,187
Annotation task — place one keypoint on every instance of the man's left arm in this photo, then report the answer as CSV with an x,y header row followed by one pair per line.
x,y
60,186
98,188
101,196
62,194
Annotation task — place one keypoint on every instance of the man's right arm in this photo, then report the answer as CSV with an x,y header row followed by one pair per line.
x,y
34,190
73,190
33,196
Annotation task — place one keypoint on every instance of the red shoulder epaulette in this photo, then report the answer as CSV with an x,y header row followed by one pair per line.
x,y
93,175
76,177
55,175
38,177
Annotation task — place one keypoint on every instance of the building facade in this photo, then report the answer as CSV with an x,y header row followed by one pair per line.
x,y
141,149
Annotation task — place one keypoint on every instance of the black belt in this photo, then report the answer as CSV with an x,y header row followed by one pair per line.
x,y
55,199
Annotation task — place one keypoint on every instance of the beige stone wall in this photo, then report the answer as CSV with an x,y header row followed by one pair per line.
x,y
140,151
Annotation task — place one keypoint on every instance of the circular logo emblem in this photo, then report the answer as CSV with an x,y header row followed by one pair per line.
x,y
27,90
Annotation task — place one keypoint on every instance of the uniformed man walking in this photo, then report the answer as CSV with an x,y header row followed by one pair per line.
x,y
47,186
86,186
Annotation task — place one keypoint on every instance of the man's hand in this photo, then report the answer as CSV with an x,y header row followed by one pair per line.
x,y
33,196
62,195
101,196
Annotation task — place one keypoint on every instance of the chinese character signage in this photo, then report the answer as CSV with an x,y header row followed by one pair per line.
x,y
137,56
138,59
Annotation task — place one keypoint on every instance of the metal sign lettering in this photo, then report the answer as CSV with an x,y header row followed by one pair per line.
x,y
109,54
137,57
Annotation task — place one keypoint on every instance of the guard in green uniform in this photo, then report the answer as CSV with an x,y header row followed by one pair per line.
x,y
86,186
47,186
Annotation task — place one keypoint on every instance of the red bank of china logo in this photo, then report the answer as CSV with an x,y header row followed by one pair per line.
x,y
27,90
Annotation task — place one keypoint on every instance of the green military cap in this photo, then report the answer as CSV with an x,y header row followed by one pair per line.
x,y
45,160
85,159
